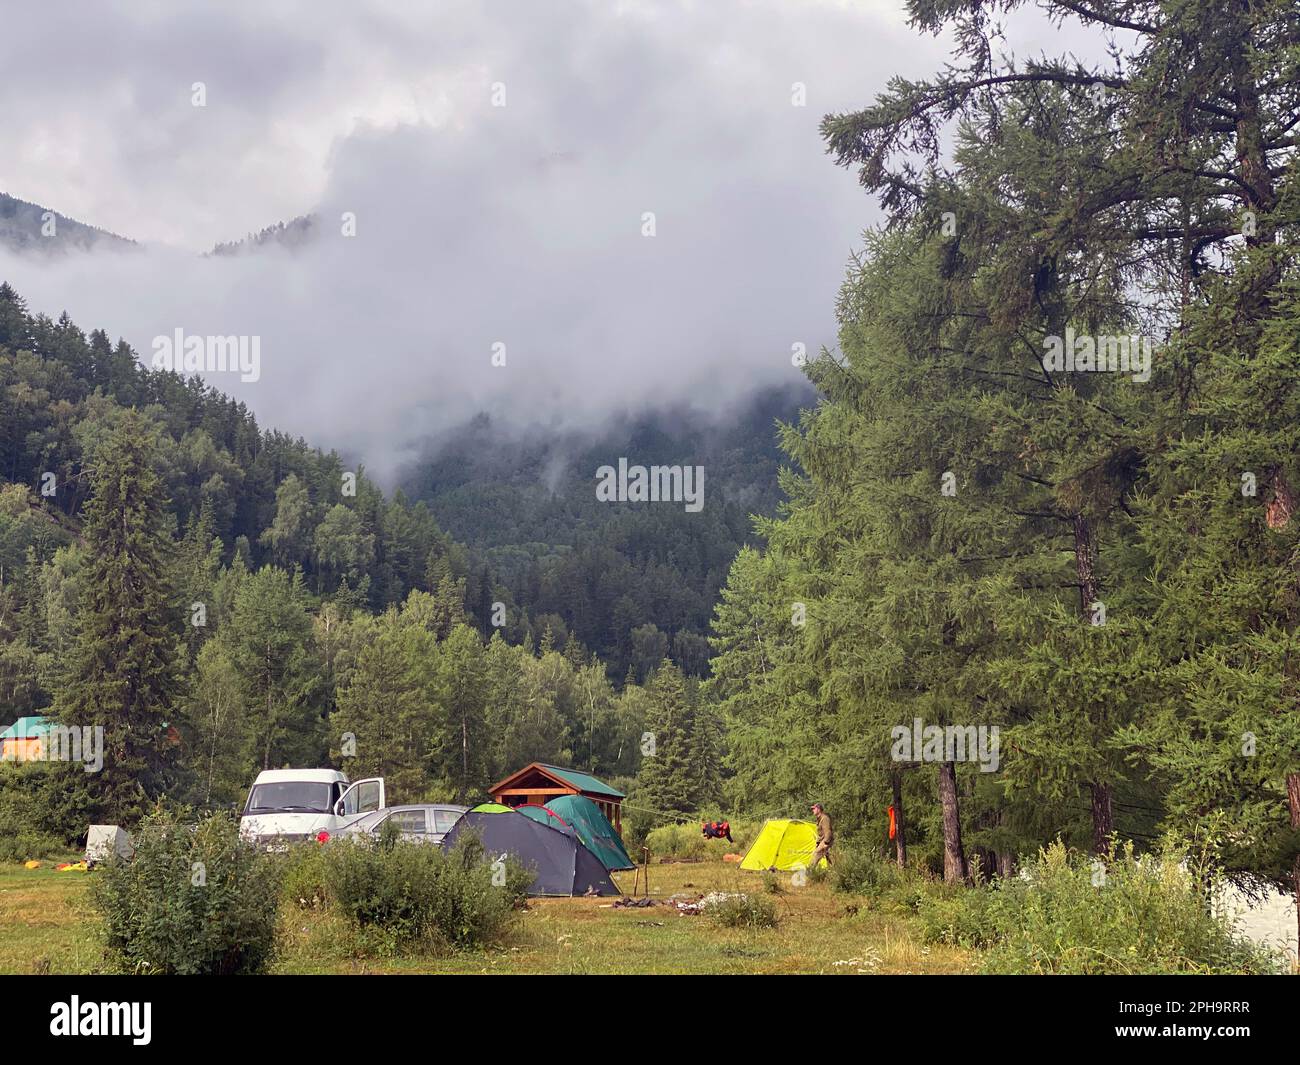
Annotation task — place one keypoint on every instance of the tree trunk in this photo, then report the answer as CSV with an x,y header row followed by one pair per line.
x,y
954,859
270,731
900,822
1293,802
1281,502
1259,192
212,758
464,755
1083,565
1252,158
1103,818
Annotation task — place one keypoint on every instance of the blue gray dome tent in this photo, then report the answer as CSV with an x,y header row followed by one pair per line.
x,y
561,864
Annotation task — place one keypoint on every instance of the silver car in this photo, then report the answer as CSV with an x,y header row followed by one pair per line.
x,y
420,823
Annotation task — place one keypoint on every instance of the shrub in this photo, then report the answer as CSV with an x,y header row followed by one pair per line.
x,y
476,901
743,911
957,915
303,882
687,841
405,893
860,870
44,809
192,900
637,826
23,845
677,841
1146,916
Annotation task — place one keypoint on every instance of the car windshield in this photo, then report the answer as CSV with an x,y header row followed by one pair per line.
x,y
290,796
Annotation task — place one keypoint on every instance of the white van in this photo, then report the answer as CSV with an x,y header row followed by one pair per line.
x,y
289,805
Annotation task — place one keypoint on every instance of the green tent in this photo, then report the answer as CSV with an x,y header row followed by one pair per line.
x,y
593,829
490,808
782,845
544,816
583,818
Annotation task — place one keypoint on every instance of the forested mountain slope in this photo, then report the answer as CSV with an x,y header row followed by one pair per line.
x,y
221,598
631,581
31,228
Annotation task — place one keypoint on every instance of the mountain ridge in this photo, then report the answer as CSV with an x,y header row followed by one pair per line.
x,y
27,227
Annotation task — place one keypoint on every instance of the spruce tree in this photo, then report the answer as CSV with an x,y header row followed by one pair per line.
x,y
271,643
388,705
460,682
124,675
667,784
1221,535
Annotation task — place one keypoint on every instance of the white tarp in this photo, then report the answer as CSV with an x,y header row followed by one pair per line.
x,y
103,841
1269,920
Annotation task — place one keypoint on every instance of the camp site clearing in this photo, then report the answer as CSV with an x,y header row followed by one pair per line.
x,y
51,928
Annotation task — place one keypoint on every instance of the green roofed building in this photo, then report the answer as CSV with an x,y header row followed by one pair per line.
x,y
24,740
539,783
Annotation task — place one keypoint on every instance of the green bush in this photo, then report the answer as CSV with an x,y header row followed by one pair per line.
x,y
637,826
44,810
404,893
23,845
743,911
302,882
678,841
192,900
687,841
860,870
1144,916
957,915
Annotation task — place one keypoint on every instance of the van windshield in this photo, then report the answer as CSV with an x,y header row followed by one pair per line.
x,y
290,796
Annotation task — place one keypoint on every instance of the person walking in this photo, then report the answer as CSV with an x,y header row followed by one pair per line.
x,y
825,836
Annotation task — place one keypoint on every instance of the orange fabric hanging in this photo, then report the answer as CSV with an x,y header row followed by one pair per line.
x,y
893,824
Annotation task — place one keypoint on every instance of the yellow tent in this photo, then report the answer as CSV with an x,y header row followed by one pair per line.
x,y
782,845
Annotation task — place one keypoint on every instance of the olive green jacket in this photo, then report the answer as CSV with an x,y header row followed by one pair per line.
x,y
825,834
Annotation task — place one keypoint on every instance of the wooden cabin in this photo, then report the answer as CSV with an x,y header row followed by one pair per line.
x,y
539,783
25,739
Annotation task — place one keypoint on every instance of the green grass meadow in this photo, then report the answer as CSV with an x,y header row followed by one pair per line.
x,y
51,928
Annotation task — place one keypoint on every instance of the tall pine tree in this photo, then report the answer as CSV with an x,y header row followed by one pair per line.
x,y
124,675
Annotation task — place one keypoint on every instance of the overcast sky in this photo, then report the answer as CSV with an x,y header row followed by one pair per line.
x,y
475,224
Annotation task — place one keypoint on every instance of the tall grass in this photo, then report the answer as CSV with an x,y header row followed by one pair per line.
x,y
1067,914
687,841
743,911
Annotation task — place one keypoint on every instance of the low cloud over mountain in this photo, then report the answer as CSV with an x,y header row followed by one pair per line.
x,y
520,230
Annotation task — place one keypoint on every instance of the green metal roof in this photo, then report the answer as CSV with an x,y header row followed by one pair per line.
x,y
583,781
27,728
